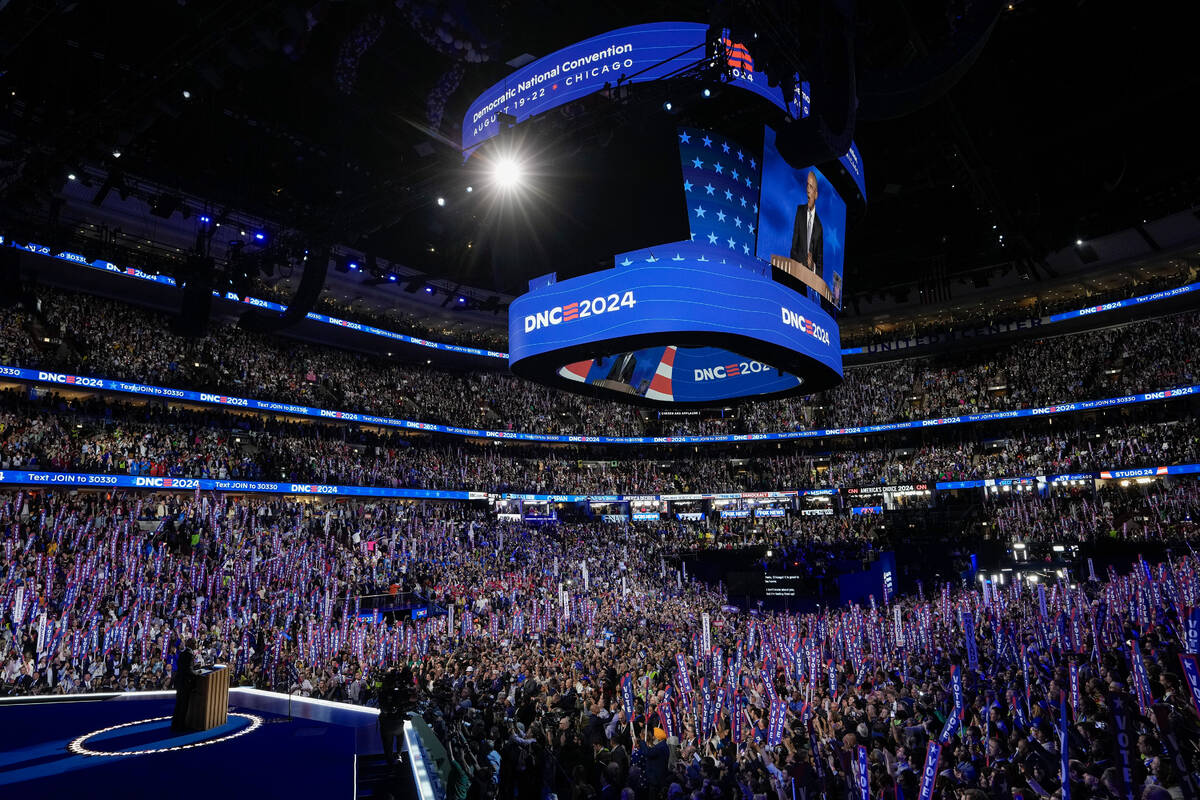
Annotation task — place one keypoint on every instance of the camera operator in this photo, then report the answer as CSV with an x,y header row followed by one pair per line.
x,y
396,699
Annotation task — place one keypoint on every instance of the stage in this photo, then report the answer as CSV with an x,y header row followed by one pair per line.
x,y
122,746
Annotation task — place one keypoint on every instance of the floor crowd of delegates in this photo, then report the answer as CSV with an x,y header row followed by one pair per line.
x,y
102,337
576,660
53,433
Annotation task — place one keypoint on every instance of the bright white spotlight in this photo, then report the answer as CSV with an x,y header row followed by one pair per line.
x,y
508,173
441,201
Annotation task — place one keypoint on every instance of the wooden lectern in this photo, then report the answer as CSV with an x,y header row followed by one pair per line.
x,y
209,704
805,275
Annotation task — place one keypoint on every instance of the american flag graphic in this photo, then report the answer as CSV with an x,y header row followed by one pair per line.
x,y
721,181
737,55
721,184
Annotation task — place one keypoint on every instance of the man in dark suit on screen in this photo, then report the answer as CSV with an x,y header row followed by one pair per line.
x,y
807,240
184,681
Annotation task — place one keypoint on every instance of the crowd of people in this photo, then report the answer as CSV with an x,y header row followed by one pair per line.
x,y
47,431
946,321
1079,514
464,331
855,331
97,336
580,657
581,662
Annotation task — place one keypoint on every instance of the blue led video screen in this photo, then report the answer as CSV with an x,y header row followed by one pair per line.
x,y
734,312
709,307
721,185
636,54
742,72
686,374
720,188
801,217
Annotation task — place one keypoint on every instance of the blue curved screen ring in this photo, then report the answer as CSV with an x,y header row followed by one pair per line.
x,y
731,307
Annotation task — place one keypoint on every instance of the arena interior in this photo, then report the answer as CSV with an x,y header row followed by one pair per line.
x,y
745,400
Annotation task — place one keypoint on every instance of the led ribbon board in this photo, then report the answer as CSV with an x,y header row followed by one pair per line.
x,y
147,390
681,327
882,347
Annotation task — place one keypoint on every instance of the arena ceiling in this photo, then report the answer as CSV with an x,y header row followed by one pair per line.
x,y
340,117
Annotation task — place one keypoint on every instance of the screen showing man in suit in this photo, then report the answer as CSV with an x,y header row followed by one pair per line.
x,y
801,226
807,247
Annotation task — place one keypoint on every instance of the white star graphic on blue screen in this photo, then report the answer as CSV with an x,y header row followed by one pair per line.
x,y
728,195
699,211
747,183
702,258
725,147
756,208
710,188
746,249
740,158
626,262
707,141
737,221
752,163
687,186
712,238
651,260
731,244
718,168
684,138
743,202
697,163
693,237
720,216
750,228
734,175
678,257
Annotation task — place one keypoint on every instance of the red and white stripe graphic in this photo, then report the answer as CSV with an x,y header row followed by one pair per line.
x,y
577,371
660,385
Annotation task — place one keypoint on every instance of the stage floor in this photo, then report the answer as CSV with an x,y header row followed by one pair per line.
x,y
122,746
